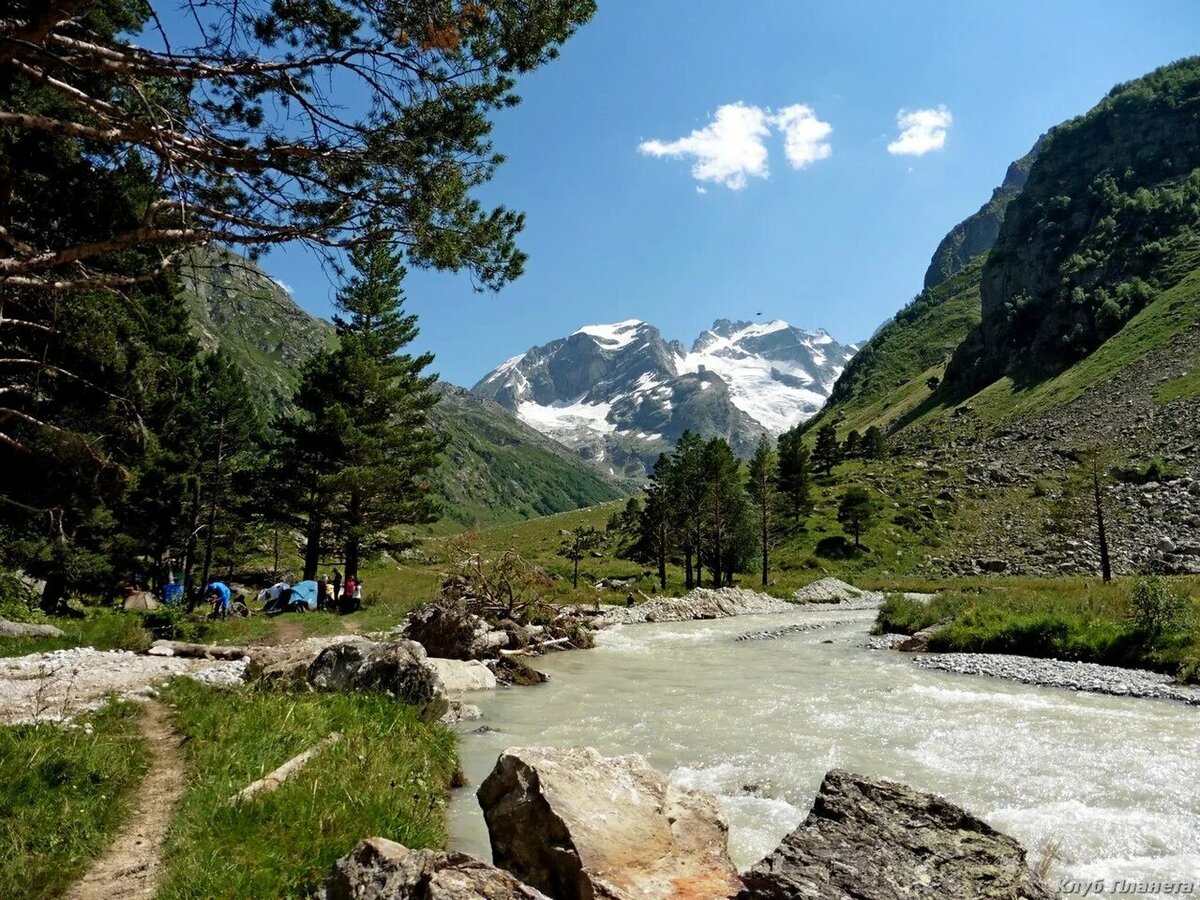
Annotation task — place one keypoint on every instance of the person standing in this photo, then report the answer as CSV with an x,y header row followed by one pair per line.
x,y
347,603
322,584
337,586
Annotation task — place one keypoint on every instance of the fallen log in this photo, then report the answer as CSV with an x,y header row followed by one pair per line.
x,y
274,779
525,651
196,651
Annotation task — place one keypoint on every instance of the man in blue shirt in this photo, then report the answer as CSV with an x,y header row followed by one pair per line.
x,y
218,595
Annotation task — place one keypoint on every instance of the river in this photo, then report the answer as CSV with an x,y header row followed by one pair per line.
x,y
1114,782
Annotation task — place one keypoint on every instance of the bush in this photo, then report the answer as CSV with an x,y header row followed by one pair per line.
x,y
836,546
1156,609
17,602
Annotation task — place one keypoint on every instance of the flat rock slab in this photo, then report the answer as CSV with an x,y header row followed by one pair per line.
x,y
870,839
379,869
580,826
29,629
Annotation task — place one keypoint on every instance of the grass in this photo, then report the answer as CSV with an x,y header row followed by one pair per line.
x,y
65,793
388,776
1066,618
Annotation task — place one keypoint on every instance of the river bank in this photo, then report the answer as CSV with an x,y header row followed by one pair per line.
x,y
803,706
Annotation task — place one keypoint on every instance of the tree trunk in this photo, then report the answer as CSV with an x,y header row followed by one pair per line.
x,y
1102,531
662,558
575,578
765,560
312,545
52,593
353,541
208,541
687,566
189,552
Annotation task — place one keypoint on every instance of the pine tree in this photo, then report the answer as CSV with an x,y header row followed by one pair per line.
x,y
761,480
857,512
656,529
874,445
853,447
577,545
828,452
794,476
687,489
228,436
377,417
724,510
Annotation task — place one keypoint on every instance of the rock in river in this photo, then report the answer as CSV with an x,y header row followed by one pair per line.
x,y
878,840
379,869
577,826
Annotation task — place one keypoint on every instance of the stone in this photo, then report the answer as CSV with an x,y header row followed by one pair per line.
x,y
1166,545
29,629
289,663
459,676
577,825
379,869
397,667
870,838
834,590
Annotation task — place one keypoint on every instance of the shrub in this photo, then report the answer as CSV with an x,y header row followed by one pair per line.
x,y
1156,609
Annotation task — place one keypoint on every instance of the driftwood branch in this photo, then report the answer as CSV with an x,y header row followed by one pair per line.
x,y
270,782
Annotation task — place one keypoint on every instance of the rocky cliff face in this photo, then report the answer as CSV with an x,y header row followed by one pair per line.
x,y
619,394
975,235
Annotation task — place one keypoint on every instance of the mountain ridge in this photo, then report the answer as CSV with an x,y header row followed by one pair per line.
x,y
620,393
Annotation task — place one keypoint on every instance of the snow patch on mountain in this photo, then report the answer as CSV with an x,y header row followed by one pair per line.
x,y
619,393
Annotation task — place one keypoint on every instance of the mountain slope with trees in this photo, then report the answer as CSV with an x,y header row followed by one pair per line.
x,y
1078,332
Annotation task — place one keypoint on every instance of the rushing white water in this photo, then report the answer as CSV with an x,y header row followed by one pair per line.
x,y
1114,782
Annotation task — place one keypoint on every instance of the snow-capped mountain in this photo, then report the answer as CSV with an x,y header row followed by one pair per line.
x,y
619,394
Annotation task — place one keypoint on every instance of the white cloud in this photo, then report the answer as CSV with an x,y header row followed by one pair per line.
x,y
283,284
806,138
921,131
701,190
728,149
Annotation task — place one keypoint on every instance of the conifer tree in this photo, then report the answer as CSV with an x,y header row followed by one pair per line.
x,y
828,452
853,447
356,456
656,525
687,489
794,476
761,481
874,445
858,512
724,509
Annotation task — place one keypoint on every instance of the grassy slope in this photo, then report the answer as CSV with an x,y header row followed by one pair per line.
x,y
388,776
497,470
65,793
888,378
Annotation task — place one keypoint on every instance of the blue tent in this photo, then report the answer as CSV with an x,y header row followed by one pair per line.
x,y
306,593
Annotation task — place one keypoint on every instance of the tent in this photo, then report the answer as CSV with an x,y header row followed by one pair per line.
x,y
306,593
140,600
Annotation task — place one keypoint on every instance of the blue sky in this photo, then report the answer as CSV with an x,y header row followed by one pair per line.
x,y
841,242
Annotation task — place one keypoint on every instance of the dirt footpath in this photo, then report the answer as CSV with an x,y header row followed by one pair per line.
x,y
132,867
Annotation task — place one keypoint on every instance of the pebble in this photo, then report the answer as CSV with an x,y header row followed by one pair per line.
x,y
1075,676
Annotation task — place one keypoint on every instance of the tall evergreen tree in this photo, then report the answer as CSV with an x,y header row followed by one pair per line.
x,y
229,441
687,489
656,526
858,512
724,509
762,476
362,443
794,476
853,447
828,452
874,445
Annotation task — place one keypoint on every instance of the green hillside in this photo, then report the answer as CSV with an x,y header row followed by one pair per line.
x,y
496,469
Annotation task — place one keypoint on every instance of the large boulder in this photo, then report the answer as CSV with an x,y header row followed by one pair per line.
x,y
447,631
870,839
289,663
397,667
379,869
579,826
460,676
